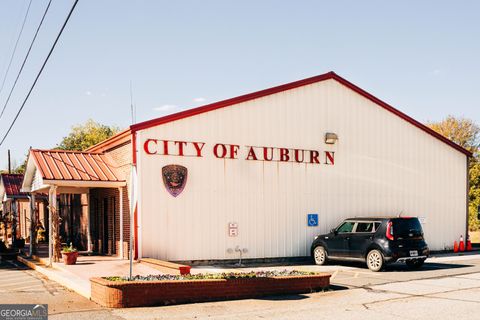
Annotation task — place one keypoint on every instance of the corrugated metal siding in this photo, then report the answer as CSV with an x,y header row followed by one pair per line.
x,y
383,166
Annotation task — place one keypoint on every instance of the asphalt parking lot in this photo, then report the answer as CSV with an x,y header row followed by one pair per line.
x,y
358,275
445,288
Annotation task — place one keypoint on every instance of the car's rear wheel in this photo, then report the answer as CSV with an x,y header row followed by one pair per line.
x,y
319,255
375,260
415,264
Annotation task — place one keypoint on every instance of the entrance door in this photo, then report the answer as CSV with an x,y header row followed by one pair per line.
x,y
105,227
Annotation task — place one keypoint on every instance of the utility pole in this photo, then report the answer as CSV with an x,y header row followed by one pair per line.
x,y
9,163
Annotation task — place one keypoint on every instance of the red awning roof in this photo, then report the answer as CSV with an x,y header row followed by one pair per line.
x,y
12,184
75,166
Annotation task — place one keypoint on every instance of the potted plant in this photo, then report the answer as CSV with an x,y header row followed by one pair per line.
x,y
69,254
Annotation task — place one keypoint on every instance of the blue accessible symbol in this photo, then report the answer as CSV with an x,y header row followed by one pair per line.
x,y
312,220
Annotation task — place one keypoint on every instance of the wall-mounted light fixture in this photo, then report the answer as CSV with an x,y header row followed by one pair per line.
x,y
331,138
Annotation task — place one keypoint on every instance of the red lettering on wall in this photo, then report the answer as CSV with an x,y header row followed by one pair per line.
x,y
314,156
265,154
233,151
224,150
165,147
180,147
198,147
147,144
297,155
329,157
251,154
284,154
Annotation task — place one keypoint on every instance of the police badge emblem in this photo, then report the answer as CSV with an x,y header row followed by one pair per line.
x,y
174,178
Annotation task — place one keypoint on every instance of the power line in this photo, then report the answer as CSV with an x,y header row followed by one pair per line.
x,y
25,60
15,47
40,72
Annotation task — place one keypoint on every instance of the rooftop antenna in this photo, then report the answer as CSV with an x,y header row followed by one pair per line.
x,y
132,107
400,214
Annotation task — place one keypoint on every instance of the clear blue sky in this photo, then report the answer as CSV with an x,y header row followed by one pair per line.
x,y
423,57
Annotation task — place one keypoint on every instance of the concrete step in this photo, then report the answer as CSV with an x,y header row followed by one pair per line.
x,y
166,266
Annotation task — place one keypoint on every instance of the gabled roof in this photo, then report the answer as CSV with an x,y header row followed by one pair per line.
x,y
12,183
74,166
289,86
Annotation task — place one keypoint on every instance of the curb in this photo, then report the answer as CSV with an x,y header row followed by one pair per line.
x,y
65,278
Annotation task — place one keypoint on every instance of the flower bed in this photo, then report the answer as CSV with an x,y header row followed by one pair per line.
x,y
120,292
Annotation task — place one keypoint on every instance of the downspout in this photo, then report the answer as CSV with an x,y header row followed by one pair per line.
x,y
135,212
468,198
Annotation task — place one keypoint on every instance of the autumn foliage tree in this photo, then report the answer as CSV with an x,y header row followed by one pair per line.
x,y
466,133
86,135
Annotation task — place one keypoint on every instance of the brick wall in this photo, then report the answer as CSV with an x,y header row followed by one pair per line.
x,y
117,294
110,197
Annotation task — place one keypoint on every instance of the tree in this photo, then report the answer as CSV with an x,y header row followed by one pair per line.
x,y
84,136
466,133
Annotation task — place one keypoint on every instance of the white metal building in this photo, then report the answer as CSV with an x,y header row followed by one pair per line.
x,y
245,173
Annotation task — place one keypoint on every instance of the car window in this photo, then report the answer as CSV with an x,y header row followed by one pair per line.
x,y
407,227
364,227
346,227
377,225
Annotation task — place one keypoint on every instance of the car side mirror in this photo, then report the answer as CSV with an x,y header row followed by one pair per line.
x,y
335,232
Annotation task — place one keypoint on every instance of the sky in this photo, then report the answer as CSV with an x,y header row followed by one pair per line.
x,y
422,57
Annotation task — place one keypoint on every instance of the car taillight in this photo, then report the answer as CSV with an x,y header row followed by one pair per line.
x,y
389,232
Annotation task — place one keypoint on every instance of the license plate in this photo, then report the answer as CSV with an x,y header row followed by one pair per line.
x,y
413,253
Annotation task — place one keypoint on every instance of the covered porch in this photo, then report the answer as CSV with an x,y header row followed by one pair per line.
x,y
87,201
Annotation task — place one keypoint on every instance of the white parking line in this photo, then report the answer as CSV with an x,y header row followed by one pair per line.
x,y
333,275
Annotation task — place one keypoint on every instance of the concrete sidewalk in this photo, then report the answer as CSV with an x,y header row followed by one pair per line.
x,y
77,277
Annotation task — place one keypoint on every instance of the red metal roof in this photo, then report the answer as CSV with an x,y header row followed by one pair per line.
x,y
75,166
288,86
13,184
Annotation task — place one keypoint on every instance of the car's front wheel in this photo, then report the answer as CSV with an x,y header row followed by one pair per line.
x,y
375,260
415,264
320,255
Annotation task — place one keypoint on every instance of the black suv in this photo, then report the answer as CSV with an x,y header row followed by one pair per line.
x,y
377,241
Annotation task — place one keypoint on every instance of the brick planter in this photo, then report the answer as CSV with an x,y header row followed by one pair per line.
x,y
122,294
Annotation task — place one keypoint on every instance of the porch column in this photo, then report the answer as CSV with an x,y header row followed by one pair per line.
x,y
33,225
14,222
52,207
120,191
89,230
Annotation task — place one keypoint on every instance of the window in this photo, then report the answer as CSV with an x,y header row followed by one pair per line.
x,y
377,225
364,227
346,227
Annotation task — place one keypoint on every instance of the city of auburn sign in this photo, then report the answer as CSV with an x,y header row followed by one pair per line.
x,y
233,151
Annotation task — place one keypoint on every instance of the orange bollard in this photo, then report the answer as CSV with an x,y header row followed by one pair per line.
x,y
455,246
461,245
469,244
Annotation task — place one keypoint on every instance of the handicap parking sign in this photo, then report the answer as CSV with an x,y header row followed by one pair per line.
x,y
312,219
